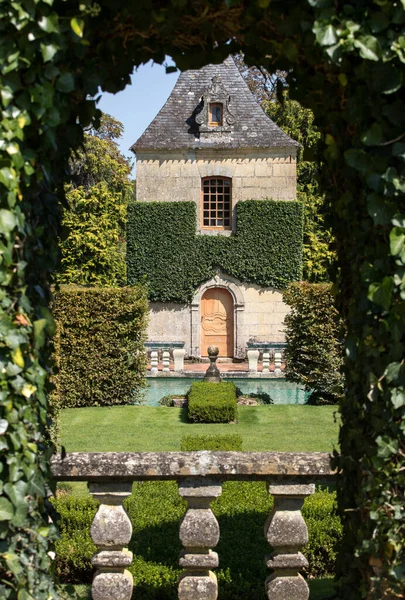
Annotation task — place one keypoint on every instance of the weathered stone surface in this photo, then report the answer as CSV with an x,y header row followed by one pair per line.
x,y
287,561
292,490
179,402
199,528
112,558
198,587
253,360
111,526
287,588
199,488
178,358
198,561
112,586
286,527
128,466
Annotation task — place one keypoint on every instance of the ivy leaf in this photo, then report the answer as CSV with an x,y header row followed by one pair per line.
x,y
325,35
16,492
48,51
65,83
392,371
6,510
381,293
77,25
18,357
49,24
369,47
358,159
3,426
398,397
373,136
397,241
8,220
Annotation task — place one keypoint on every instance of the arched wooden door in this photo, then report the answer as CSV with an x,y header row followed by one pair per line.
x,y
217,321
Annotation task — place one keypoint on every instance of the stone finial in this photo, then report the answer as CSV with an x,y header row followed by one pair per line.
x,y
178,357
111,531
253,359
154,361
287,533
199,532
266,361
212,373
166,361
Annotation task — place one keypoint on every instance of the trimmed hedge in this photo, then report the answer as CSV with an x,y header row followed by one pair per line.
x,y
156,509
212,402
162,244
193,443
99,345
314,331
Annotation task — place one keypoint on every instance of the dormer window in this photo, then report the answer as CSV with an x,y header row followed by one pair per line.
x,y
215,114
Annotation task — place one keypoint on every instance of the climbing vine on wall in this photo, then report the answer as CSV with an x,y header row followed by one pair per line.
x,y
164,247
346,63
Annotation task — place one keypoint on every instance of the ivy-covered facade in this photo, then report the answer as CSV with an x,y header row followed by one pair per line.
x,y
217,229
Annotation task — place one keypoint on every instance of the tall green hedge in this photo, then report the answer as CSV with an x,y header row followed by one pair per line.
x,y
162,244
314,353
99,345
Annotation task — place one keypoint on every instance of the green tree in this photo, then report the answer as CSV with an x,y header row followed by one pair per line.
x,y
298,123
93,249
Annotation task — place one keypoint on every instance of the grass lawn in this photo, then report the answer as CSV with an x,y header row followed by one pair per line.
x,y
282,428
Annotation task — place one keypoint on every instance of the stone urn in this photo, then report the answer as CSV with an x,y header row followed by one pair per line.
x,y
212,373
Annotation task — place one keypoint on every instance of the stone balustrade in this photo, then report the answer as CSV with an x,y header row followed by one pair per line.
x,y
270,356
166,356
290,478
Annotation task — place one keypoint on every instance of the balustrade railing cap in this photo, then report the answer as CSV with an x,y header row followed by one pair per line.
x,y
131,466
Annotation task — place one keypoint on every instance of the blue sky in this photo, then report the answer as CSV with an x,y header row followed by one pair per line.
x,y
140,102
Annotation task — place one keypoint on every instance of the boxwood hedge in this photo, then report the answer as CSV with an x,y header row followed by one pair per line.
x,y
155,509
162,245
99,345
212,402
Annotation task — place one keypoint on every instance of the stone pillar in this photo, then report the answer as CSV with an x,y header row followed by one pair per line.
x,y
111,531
253,359
277,362
199,532
178,357
166,361
154,361
266,361
286,532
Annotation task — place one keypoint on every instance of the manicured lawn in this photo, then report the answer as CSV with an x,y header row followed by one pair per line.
x,y
283,428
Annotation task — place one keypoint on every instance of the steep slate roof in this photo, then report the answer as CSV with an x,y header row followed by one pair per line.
x,y
177,124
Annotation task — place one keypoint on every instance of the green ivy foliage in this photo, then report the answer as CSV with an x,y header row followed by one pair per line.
x,y
314,333
99,346
162,244
345,62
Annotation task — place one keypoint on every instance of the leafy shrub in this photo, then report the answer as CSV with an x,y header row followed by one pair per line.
x,y
212,402
314,354
99,345
190,443
162,243
156,509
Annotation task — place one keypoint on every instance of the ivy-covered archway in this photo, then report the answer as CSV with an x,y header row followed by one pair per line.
x,y
346,62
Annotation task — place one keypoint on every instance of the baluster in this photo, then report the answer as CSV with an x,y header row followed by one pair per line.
x,y
266,362
154,361
166,361
178,357
253,358
111,531
277,363
199,532
287,533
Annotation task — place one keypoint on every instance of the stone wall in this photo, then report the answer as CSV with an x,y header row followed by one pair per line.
x,y
256,174
258,317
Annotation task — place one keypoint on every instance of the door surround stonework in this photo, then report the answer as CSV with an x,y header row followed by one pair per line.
x,y
219,281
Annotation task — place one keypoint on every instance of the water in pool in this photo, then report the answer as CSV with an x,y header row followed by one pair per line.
x,y
280,390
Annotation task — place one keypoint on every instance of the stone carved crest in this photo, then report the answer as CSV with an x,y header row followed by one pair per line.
x,y
216,92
